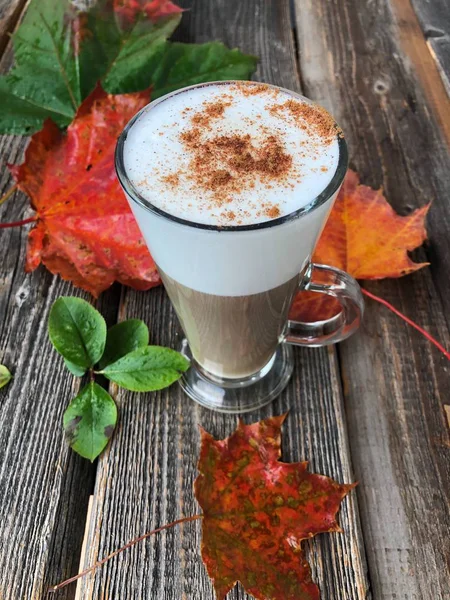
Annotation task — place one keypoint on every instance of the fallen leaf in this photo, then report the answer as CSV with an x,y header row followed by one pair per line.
x,y
131,45
257,510
187,64
5,376
89,421
310,307
365,237
85,230
60,54
130,10
78,332
122,338
147,369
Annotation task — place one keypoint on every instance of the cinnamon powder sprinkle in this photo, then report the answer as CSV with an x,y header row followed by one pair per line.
x,y
211,110
219,178
256,89
173,179
273,212
229,163
225,165
228,215
309,116
191,138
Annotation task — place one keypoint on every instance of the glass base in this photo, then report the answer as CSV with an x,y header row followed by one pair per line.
x,y
241,395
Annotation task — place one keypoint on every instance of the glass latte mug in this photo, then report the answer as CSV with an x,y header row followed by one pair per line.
x,y
231,184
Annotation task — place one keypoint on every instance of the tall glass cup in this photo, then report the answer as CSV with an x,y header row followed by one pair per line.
x,y
239,339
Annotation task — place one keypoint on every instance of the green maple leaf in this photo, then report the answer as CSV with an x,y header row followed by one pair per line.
x,y
123,55
61,54
45,81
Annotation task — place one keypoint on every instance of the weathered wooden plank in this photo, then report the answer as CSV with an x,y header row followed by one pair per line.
x,y
44,487
397,387
256,27
146,476
10,11
434,18
356,63
426,70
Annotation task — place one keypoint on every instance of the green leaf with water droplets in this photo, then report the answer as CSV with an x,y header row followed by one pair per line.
x,y
77,331
89,421
147,369
123,338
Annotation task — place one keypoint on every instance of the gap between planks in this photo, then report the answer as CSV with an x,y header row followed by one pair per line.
x,y
84,547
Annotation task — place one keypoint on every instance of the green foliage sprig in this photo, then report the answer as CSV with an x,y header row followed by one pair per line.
x,y
121,353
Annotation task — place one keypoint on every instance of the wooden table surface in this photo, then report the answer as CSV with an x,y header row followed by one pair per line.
x,y
372,409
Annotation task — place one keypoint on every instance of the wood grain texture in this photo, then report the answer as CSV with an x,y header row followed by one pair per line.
x,y
413,44
362,65
10,11
434,18
400,444
145,478
44,487
355,62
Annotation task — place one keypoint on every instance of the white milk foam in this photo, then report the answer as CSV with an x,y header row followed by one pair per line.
x,y
219,261
154,151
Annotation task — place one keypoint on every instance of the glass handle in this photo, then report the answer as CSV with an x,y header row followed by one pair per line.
x,y
339,285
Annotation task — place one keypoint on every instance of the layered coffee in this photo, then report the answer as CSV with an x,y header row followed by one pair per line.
x,y
232,336
223,177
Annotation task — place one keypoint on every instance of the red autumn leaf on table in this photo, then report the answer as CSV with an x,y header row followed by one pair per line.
x,y
257,510
85,230
129,10
365,237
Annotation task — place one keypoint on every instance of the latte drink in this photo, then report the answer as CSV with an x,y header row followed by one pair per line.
x,y
221,178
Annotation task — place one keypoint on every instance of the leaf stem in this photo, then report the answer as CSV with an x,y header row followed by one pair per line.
x,y
429,337
99,563
18,223
9,193
91,374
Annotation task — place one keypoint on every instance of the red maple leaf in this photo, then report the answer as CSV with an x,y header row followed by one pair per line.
x,y
128,10
257,510
85,230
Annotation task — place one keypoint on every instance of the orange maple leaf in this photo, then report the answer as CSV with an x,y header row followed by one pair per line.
x,y
365,237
